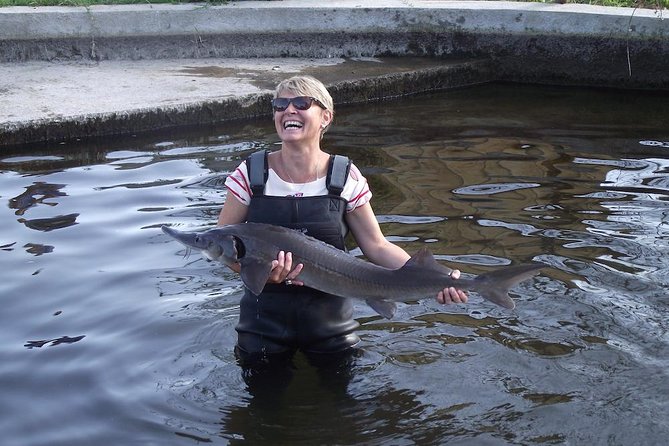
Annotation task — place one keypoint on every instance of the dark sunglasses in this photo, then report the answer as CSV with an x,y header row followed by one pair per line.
x,y
299,102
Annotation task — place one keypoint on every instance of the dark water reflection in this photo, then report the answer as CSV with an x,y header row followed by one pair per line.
x,y
114,335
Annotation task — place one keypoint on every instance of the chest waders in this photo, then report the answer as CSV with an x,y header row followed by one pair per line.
x,y
284,318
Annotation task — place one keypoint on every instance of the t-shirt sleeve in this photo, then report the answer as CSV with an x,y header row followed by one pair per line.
x,y
356,190
237,184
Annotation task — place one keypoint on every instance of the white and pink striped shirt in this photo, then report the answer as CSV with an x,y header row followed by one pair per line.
x,y
356,190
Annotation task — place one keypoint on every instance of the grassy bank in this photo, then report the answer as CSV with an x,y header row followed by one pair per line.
x,y
82,2
650,4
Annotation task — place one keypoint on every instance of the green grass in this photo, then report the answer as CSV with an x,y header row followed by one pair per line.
x,y
100,2
650,4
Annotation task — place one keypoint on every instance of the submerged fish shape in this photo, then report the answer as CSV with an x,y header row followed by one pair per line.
x,y
255,245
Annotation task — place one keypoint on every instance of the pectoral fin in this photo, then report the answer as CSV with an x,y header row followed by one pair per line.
x,y
255,274
385,308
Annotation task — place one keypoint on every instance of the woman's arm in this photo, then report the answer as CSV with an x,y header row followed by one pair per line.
x,y
233,212
367,233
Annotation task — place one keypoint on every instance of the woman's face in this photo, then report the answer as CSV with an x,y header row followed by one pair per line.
x,y
295,125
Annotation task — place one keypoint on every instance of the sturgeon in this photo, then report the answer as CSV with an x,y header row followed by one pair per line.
x,y
255,245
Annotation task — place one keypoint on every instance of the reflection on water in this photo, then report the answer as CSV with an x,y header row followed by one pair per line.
x,y
29,198
50,224
53,342
134,335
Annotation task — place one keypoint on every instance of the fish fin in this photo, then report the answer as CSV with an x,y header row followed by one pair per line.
x,y
424,260
385,308
255,274
494,286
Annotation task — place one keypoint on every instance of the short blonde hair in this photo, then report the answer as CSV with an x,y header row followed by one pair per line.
x,y
306,86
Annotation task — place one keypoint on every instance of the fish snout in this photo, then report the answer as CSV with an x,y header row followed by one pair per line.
x,y
189,239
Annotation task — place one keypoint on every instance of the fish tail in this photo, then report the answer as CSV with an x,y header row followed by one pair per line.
x,y
494,286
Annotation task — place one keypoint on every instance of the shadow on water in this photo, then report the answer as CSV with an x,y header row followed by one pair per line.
x,y
135,335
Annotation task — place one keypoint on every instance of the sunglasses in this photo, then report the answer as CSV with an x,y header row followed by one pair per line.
x,y
299,102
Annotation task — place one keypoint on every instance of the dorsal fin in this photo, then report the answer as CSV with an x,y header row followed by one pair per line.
x,y
424,260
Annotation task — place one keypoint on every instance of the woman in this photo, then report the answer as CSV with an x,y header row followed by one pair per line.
x,y
302,187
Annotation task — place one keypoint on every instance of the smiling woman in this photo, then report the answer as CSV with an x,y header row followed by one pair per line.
x,y
302,187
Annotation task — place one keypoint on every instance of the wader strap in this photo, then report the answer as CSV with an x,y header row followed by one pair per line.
x,y
258,171
256,167
337,174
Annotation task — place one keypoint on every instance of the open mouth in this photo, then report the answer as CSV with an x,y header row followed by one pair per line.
x,y
292,125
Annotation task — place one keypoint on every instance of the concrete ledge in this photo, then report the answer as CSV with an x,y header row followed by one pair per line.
x,y
330,17
519,42
115,99
533,42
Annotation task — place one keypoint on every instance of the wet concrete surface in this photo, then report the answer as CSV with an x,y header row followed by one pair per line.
x,y
56,102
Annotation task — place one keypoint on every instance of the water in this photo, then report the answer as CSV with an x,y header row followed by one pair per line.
x,y
113,335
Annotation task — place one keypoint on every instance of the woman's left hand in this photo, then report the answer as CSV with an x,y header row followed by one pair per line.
x,y
283,271
452,295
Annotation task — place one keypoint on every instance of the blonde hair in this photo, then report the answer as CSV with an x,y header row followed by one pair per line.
x,y
306,86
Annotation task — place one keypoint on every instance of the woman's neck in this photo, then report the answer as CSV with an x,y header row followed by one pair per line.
x,y
299,166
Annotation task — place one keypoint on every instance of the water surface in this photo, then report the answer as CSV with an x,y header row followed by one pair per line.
x,y
114,335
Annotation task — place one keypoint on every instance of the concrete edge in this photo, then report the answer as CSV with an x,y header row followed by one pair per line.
x,y
208,112
25,23
522,42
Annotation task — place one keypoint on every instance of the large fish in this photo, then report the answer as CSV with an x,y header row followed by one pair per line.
x,y
255,245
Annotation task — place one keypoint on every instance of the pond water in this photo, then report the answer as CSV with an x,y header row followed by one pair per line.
x,y
113,335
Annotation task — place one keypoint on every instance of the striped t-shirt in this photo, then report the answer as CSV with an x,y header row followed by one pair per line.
x,y
356,190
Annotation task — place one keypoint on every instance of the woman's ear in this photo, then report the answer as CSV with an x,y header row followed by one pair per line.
x,y
326,118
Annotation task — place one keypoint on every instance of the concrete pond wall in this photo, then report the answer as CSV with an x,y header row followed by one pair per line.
x,y
522,42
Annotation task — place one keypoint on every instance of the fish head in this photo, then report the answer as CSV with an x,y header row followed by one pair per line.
x,y
213,244
234,244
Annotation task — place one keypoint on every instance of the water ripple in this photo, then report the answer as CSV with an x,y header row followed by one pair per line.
x,y
493,188
144,338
